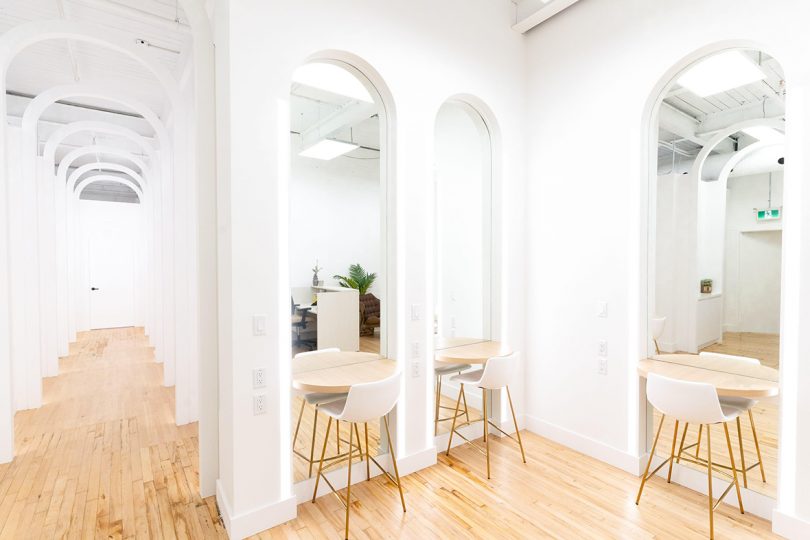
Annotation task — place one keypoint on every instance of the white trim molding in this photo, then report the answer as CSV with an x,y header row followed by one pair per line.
x,y
256,520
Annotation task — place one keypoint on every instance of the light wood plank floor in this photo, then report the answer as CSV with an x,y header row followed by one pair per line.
x,y
764,347
103,459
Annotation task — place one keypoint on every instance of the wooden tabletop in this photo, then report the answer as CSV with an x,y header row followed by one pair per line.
x,y
468,350
338,371
695,369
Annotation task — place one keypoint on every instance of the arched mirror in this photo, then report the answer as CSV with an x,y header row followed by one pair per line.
x,y
462,273
714,264
337,256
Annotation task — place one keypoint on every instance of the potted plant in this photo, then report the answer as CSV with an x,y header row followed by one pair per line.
x,y
358,279
361,280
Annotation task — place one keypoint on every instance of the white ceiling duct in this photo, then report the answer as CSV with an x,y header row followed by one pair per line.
x,y
761,161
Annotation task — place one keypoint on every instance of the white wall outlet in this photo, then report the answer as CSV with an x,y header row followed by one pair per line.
x,y
259,380
603,310
603,348
416,349
259,404
416,369
416,312
260,325
603,366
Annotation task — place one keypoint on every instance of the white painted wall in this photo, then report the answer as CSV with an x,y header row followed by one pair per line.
x,y
593,69
463,222
424,52
756,277
334,217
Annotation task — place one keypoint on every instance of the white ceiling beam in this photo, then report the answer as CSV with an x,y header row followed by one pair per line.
x,y
347,116
769,109
685,127
111,6
531,13
74,62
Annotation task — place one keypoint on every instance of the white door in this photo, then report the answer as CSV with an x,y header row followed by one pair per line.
x,y
760,281
111,273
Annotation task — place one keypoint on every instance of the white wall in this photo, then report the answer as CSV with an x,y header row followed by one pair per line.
x,y
422,52
463,222
743,195
593,70
334,217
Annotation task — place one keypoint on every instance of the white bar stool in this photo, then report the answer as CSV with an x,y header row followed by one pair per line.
x,y
495,375
743,404
314,399
657,325
440,371
695,403
364,403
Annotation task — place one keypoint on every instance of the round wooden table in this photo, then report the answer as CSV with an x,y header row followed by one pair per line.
x,y
468,350
336,372
752,382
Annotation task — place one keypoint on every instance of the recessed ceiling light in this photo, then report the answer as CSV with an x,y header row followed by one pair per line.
x,y
765,134
327,149
720,72
333,79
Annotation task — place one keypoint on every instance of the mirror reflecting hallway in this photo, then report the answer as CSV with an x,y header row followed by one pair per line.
x,y
431,269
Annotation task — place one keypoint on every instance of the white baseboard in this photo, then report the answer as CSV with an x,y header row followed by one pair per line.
x,y
406,465
754,503
586,445
789,526
257,520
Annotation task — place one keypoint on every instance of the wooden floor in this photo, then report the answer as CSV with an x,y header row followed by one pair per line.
x,y
764,347
103,459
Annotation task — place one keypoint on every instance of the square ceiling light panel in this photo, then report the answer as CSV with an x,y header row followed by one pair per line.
x,y
332,78
327,149
719,73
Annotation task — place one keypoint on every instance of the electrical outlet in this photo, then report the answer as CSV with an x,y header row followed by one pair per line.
x,y
259,404
603,366
416,312
416,369
603,348
416,349
259,378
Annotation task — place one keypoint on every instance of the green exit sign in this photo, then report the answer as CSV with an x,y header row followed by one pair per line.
x,y
769,214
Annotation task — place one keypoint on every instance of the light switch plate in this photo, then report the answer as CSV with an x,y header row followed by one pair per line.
x,y
603,310
260,325
416,312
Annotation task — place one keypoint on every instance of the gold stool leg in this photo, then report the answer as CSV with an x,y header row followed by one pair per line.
x,y
697,448
394,462
438,404
323,454
734,468
368,456
486,428
514,419
683,439
672,452
711,498
337,433
742,454
300,416
455,415
466,409
756,443
349,481
649,461
312,444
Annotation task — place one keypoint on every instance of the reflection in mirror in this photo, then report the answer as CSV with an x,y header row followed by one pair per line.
x,y
463,250
715,256
336,227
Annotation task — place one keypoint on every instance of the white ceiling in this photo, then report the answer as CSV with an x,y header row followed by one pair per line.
x,y
51,63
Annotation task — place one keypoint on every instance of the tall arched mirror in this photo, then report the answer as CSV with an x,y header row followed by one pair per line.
x,y
714,264
337,257
462,292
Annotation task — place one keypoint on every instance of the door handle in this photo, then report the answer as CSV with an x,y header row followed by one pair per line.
x,y
93,288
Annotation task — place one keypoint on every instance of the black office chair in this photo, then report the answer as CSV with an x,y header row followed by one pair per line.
x,y
299,322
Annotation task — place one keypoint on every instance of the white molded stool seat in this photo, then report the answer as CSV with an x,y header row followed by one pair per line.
x,y
319,398
495,375
691,402
364,403
447,369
